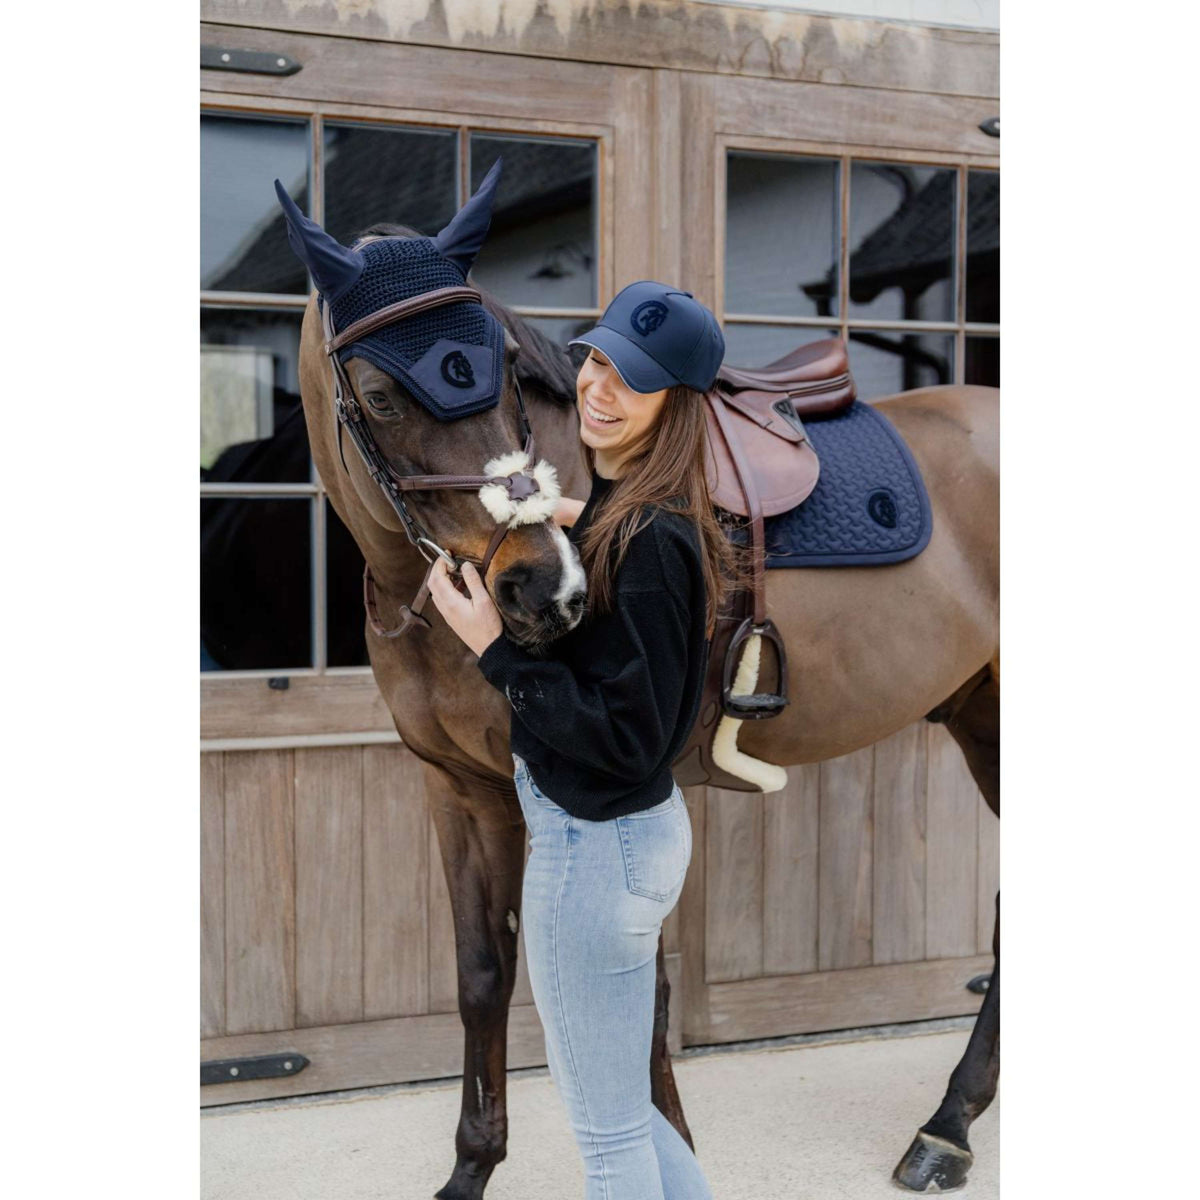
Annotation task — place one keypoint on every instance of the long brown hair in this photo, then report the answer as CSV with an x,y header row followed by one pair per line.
x,y
666,465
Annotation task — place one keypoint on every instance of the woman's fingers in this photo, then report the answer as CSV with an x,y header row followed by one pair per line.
x,y
471,575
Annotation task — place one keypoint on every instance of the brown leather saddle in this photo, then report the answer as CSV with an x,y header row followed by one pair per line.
x,y
759,463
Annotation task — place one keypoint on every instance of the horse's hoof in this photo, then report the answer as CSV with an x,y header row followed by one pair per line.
x,y
466,1183
932,1164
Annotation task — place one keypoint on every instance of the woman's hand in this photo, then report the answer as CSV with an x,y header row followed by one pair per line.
x,y
476,620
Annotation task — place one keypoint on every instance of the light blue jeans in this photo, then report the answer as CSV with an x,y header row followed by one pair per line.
x,y
593,902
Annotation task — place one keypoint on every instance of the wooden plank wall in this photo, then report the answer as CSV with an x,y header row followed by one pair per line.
x,y
880,858
862,893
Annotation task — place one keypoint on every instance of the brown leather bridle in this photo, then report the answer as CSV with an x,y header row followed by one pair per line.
x,y
351,419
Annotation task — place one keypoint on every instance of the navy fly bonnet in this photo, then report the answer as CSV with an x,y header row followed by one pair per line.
x,y
450,358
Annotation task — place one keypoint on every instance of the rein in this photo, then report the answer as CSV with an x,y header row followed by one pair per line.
x,y
350,418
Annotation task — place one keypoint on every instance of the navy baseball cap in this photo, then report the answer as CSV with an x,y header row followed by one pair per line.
x,y
656,336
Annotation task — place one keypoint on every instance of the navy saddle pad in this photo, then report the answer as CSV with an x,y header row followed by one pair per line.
x,y
869,506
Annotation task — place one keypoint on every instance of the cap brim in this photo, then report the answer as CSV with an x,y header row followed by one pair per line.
x,y
638,371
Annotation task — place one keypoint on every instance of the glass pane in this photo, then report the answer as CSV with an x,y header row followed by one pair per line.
x,y
781,235
255,584
983,246
243,242
902,242
884,364
541,249
982,361
401,176
251,425
344,614
757,345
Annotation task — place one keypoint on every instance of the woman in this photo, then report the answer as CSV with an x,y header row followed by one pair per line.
x,y
597,724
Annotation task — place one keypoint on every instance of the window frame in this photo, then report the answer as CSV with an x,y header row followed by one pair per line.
x,y
233,714
845,153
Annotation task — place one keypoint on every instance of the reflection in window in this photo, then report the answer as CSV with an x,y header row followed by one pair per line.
x,y
251,426
345,641
243,243
255,590
884,364
781,235
901,242
401,176
757,346
982,361
983,246
541,248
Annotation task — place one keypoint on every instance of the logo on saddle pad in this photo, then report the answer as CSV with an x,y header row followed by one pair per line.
x,y
647,317
882,507
457,370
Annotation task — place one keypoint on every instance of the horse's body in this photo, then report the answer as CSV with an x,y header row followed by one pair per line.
x,y
869,651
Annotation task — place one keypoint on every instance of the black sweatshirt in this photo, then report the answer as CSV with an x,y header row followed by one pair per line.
x,y
601,718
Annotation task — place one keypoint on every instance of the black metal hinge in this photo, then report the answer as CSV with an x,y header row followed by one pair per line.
x,y
253,62
239,1070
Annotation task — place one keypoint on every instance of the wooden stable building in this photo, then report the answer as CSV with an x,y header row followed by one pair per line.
x,y
800,174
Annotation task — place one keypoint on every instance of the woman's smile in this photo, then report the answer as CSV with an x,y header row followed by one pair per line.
x,y
597,417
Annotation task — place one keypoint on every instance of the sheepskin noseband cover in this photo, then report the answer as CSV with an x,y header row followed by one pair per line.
x,y
451,358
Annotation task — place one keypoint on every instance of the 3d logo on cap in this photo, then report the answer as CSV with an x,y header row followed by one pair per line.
x,y
647,317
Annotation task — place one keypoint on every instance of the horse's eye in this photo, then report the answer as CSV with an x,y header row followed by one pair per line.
x,y
379,403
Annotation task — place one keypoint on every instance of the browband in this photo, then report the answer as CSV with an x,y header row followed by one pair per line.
x,y
399,310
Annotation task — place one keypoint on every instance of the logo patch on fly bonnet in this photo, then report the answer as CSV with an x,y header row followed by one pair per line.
x,y
882,507
457,370
647,317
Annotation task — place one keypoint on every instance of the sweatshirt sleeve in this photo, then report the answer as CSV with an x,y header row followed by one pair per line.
x,y
617,715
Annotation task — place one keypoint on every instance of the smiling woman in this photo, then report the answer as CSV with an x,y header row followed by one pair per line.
x,y
599,716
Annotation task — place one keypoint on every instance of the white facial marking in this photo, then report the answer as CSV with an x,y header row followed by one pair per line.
x,y
574,579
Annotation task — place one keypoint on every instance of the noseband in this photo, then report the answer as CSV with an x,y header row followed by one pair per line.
x,y
351,419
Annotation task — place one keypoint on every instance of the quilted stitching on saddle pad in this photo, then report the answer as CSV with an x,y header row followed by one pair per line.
x,y
869,506
451,358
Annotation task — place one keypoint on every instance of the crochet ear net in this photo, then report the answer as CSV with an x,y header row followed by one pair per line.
x,y
335,267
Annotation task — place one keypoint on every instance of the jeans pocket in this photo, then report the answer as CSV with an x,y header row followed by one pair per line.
x,y
523,778
656,845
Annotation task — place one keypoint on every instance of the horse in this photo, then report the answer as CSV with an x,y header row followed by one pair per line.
x,y
866,656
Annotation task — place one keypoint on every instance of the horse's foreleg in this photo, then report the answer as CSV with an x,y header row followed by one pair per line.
x,y
482,845
663,1092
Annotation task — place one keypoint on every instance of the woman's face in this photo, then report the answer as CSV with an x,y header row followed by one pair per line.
x,y
600,389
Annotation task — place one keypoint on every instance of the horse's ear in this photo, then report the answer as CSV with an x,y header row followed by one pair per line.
x,y
462,239
334,267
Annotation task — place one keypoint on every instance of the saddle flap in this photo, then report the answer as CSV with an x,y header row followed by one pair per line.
x,y
784,464
769,411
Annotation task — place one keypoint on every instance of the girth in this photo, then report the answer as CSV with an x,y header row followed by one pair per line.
x,y
351,419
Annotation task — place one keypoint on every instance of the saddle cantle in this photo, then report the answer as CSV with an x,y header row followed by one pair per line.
x,y
759,462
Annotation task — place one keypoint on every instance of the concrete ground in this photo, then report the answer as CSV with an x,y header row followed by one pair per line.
x,y
816,1118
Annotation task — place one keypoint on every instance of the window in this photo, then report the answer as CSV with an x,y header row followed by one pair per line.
x,y
913,286
281,578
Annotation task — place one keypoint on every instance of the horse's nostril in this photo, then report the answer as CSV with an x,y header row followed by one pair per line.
x,y
508,592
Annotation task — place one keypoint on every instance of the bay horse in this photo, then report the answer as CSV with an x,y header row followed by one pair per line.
x,y
866,656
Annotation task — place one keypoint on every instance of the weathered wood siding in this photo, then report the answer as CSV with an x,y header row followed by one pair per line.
x,y
862,893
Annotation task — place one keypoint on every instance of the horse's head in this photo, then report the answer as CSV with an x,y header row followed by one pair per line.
x,y
397,350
